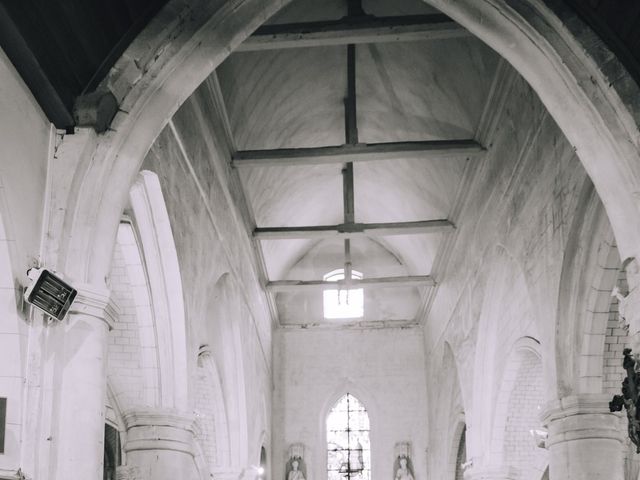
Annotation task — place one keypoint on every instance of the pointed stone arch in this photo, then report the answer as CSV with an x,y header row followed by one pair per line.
x,y
165,286
356,456
589,273
522,375
555,52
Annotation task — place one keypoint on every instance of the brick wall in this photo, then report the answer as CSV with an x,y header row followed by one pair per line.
x,y
523,410
123,362
205,413
616,340
383,368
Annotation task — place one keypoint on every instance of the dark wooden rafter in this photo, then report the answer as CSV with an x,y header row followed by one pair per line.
x,y
353,30
21,54
361,152
354,229
368,283
351,138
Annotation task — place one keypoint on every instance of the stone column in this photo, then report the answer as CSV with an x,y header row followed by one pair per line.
x,y
585,440
81,362
160,445
490,473
227,474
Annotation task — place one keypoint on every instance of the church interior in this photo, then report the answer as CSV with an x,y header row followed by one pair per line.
x,y
307,240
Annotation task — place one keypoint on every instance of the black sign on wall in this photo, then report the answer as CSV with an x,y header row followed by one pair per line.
x,y
3,421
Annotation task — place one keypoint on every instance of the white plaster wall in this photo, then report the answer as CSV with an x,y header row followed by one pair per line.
x,y
504,280
224,305
383,368
25,136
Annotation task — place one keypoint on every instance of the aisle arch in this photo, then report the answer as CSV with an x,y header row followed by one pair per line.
x,y
549,46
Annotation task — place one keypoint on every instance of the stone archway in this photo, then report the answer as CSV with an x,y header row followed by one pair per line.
x,y
184,44
548,45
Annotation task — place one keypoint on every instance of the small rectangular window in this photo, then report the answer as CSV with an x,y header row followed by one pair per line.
x,y
3,421
343,303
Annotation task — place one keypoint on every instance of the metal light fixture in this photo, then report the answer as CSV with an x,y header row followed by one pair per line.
x,y
49,293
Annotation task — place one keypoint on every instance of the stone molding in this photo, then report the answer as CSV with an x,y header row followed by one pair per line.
x,y
490,473
581,417
157,429
95,302
593,403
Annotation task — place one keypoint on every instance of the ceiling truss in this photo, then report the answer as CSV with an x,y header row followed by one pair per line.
x,y
353,30
358,152
356,28
367,283
353,230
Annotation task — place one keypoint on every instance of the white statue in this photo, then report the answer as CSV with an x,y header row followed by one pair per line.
x,y
295,473
403,472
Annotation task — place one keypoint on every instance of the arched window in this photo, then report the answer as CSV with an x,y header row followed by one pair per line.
x,y
343,303
461,457
112,458
348,447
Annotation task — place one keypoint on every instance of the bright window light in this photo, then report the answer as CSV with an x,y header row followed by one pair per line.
x,y
343,303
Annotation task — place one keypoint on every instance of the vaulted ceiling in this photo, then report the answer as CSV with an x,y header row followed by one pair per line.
x,y
415,90
420,87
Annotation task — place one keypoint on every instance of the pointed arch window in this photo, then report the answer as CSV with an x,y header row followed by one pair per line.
x,y
348,445
343,303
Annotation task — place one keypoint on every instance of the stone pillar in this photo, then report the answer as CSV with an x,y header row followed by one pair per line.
x,y
160,445
490,473
78,441
585,440
227,474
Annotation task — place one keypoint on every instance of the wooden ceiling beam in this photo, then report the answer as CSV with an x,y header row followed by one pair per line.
x,y
348,230
368,283
361,152
353,30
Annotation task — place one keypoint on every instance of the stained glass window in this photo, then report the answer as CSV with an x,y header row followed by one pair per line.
x,y
344,303
348,446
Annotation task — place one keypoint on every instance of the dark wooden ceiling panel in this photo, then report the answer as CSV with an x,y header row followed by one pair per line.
x,y
63,48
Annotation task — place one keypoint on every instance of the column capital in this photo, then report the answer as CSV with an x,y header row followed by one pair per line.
x,y
159,429
575,405
95,301
584,416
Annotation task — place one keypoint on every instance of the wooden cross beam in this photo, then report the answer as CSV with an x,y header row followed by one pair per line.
x,y
368,283
353,30
348,230
361,152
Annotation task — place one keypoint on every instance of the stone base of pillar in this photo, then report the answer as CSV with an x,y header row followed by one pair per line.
x,y
127,472
490,473
585,439
160,446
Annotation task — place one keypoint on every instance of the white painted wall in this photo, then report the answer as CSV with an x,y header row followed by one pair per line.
x,y
25,135
383,368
